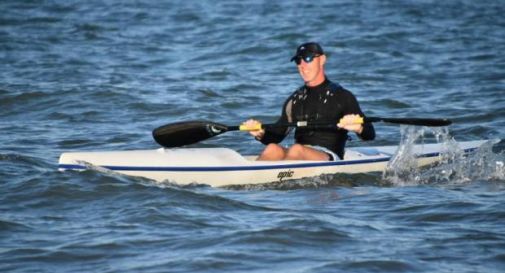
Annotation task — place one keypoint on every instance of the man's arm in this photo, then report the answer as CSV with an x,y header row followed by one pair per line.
x,y
364,131
271,135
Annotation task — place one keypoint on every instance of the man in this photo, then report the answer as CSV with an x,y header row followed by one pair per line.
x,y
318,100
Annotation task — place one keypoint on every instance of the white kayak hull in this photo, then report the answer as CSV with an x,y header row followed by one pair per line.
x,y
221,166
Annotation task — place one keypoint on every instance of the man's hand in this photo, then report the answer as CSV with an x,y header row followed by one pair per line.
x,y
252,123
352,123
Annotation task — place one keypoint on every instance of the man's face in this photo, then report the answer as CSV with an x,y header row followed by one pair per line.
x,y
311,69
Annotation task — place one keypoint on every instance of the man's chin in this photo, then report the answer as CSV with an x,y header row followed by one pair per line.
x,y
307,80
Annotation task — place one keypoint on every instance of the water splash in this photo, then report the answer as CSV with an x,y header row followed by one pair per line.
x,y
455,166
402,167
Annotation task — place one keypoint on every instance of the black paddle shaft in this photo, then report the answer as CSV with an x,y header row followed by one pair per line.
x,y
412,121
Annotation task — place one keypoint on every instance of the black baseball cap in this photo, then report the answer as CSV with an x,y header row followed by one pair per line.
x,y
308,49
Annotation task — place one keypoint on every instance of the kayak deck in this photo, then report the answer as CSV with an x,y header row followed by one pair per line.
x,y
223,166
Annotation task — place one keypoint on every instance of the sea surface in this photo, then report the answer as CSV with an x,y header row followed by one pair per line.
x,y
101,75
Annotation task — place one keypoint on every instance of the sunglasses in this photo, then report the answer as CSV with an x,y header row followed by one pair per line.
x,y
307,59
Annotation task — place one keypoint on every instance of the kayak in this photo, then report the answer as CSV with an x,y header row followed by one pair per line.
x,y
222,166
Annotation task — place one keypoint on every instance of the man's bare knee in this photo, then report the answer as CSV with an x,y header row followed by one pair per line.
x,y
272,152
295,152
274,147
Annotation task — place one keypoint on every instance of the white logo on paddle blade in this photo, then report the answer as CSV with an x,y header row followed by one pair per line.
x,y
215,130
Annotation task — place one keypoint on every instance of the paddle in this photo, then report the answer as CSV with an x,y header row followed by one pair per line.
x,y
190,132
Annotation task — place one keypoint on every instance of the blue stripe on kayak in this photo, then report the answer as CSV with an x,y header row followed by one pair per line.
x,y
229,168
241,168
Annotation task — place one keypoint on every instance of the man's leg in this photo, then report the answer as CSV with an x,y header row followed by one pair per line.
x,y
273,152
301,152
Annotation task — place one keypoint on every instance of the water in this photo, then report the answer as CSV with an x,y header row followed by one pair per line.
x,y
100,75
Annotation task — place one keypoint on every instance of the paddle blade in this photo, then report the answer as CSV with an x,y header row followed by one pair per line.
x,y
186,133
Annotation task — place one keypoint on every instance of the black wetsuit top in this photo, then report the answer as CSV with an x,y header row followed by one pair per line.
x,y
327,102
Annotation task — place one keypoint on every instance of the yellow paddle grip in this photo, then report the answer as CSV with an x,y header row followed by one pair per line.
x,y
358,120
250,128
